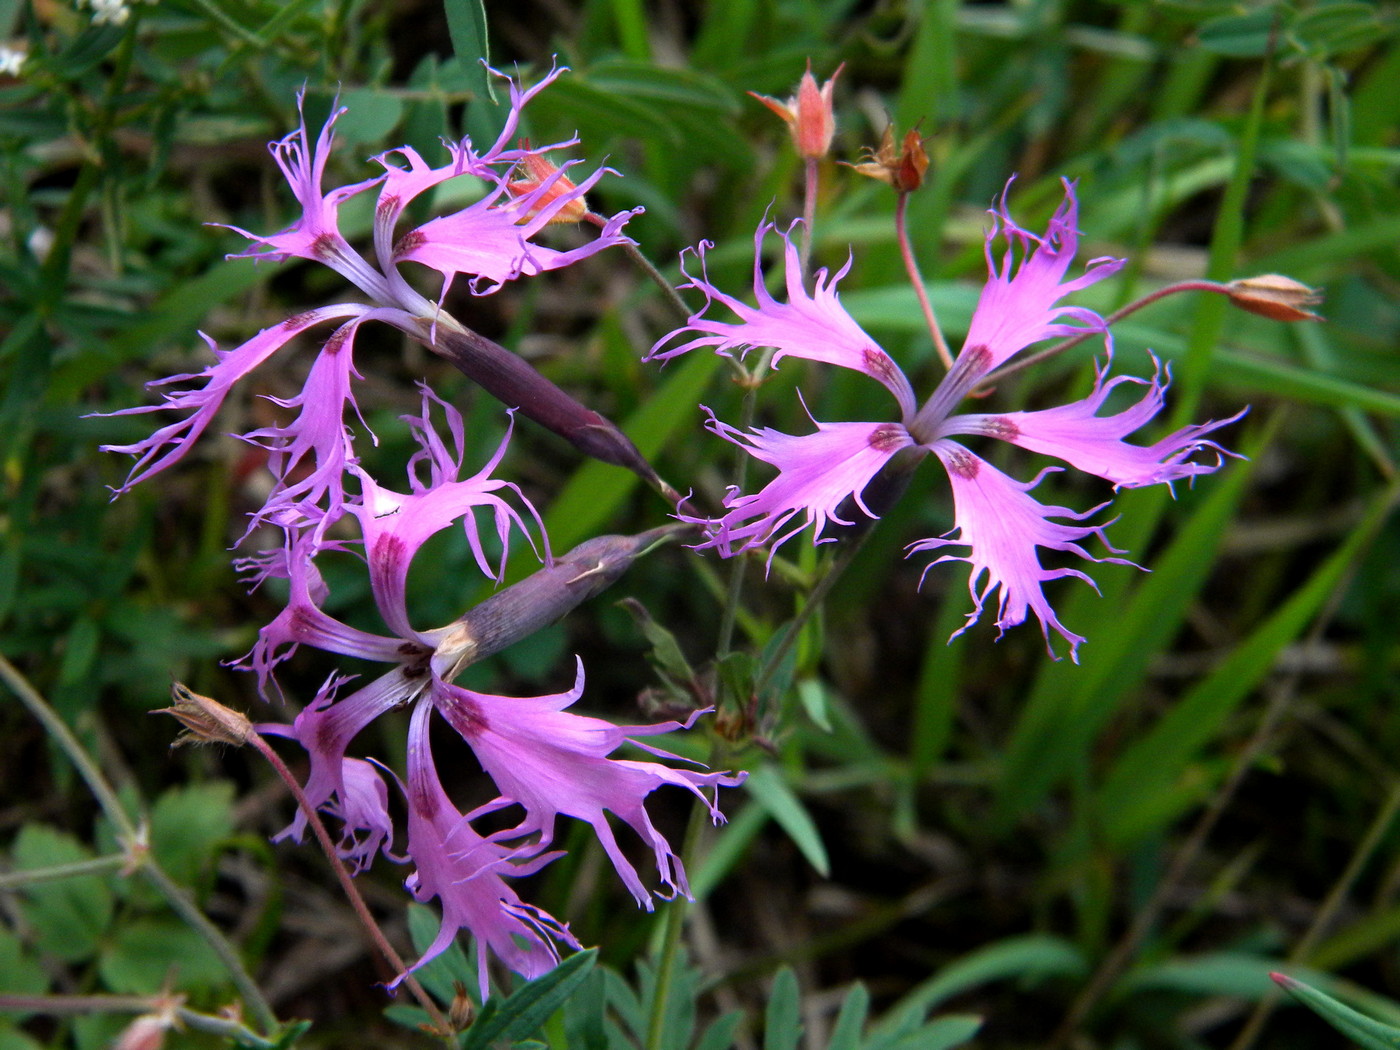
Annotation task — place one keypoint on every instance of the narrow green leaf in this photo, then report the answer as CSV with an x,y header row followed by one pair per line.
x,y
525,1012
631,20
1369,1033
1033,956
466,27
1331,28
1239,36
855,1008
452,967
781,1025
772,792
720,1034
665,650
1155,761
942,1033
287,13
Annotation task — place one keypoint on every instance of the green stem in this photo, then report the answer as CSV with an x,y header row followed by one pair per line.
x,y
749,408
676,913
668,290
12,880
68,1005
133,841
814,600
810,184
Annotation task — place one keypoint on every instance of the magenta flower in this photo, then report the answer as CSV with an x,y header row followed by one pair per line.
x,y
489,241
1002,527
552,763
543,759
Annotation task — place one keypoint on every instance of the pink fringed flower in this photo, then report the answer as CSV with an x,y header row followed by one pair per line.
x,y
545,760
1002,527
489,241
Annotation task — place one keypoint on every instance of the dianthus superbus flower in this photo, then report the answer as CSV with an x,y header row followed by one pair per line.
x,y
543,759
488,242
1002,527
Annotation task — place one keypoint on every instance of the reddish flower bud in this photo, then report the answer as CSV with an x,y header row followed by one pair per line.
x,y
542,172
808,114
1276,297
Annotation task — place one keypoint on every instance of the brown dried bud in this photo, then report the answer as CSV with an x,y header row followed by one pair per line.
x,y
903,170
460,1013
1276,297
206,721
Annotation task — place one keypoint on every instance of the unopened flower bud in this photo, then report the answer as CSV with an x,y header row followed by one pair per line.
x,y
460,1013
905,169
808,114
544,177
206,721
1276,297
516,384
542,598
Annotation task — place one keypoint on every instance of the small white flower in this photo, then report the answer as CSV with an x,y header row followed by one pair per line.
x,y
108,12
11,61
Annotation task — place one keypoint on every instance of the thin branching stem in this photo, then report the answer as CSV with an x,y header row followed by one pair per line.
x,y
12,880
676,913
653,272
133,842
911,267
1067,344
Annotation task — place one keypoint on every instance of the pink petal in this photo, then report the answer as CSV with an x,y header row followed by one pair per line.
x,y
1002,527
816,474
395,525
171,442
467,874
815,327
1077,434
1017,305
553,763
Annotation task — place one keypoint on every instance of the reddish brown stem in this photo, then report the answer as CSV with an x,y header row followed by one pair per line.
x,y
1112,319
347,884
